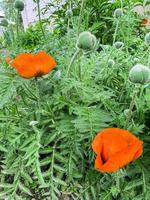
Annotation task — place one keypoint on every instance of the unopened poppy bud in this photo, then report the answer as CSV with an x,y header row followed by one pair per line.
x,y
4,22
126,112
147,38
69,13
139,74
86,41
136,60
19,5
118,45
111,63
118,13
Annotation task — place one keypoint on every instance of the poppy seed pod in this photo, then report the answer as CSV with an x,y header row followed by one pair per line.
x,y
147,38
19,5
118,45
118,13
69,13
86,41
139,74
135,60
126,112
4,22
111,63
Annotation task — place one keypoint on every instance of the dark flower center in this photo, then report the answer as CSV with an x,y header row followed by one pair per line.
x,y
103,159
38,74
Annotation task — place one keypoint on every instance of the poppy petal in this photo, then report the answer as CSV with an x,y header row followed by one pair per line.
x,y
30,65
45,62
115,148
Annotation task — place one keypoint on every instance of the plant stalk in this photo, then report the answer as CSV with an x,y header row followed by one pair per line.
x,y
18,22
131,106
72,60
80,15
39,15
116,30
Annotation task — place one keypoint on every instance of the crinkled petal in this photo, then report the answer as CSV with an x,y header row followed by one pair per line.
x,y
45,62
115,148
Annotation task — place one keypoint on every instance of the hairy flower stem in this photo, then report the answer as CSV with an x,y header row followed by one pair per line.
x,y
40,21
80,15
121,3
116,30
38,95
68,26
117,177
72,61
18,22
131,106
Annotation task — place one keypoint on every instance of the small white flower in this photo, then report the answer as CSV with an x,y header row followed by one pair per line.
x,y
33,123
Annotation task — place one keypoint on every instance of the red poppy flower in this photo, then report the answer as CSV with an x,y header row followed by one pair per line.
x,y
30,65
115,148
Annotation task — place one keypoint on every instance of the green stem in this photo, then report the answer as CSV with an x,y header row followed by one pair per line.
x,y
68,27
72,60
117,180
121,3
131,106
18,24
39,15
116,30
80,15
80,72
144,183
38,93
148,63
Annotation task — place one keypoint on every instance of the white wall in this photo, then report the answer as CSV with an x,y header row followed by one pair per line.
x,y
30,12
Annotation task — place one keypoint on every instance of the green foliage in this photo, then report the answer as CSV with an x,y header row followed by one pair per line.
x,y
47,124
31,37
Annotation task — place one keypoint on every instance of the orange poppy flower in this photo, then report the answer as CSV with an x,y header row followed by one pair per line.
x,y
144,22
30,65
115,148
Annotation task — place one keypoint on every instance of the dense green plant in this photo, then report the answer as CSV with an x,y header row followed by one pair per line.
x,y
47,124
29,39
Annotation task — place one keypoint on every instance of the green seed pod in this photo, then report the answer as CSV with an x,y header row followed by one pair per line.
x,y
19,5
147,38
118,45
136,60
139,74
86,41
118,13
126,112
4,22
111,63
69,13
